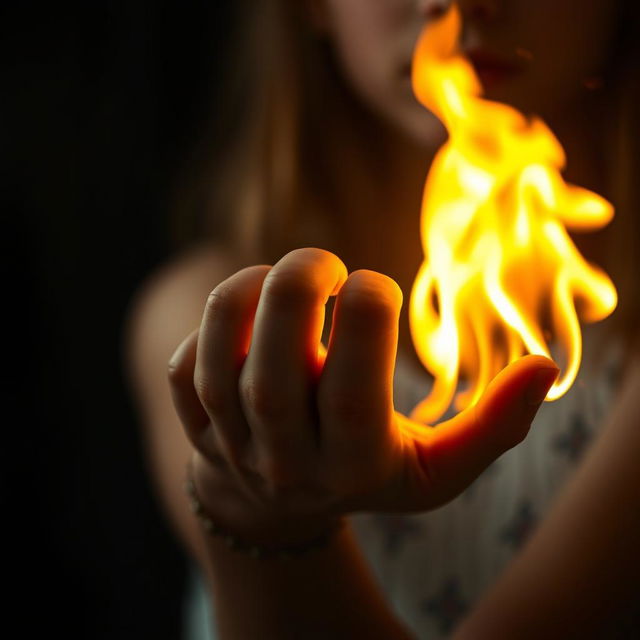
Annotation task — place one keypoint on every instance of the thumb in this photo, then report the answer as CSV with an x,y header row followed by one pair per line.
x,y
455,452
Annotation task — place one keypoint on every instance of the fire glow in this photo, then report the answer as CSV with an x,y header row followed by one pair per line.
x,y
501,277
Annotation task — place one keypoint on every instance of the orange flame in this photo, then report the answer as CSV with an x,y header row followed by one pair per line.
x,y
501,275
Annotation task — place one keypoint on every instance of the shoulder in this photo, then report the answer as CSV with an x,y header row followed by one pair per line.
x,y
188,275
169,303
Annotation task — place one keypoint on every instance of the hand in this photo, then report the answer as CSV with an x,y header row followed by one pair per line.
x,y
285,441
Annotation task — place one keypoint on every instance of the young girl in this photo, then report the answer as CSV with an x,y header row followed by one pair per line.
x,y
321,177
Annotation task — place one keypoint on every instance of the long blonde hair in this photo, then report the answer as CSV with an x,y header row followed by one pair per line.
x,y
261,179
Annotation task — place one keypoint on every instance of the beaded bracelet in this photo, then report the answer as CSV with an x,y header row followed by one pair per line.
x,y
251,549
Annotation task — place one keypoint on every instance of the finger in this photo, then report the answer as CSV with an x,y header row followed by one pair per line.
x,y
276,380
356,386
195,420
455,452
225,334
185,399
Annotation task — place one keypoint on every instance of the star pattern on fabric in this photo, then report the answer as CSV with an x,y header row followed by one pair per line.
x,y
396,529
573,441
519,528
446,606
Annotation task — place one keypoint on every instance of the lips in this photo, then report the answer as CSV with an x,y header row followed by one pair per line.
x,y
492,69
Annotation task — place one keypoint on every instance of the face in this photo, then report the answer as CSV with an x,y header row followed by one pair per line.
x,y
540,57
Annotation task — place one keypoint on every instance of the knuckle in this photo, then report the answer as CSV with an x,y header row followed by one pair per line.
x,y
289,288
262,400
223,300
210,394
175,372
230,296
179,366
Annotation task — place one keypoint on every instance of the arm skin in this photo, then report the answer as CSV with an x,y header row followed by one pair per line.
x,y
327,594
575,578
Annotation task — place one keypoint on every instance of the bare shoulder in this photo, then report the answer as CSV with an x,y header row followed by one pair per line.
x,y
186,277
170,302
165,309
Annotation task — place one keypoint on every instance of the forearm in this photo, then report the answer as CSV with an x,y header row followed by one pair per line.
x,y
328,593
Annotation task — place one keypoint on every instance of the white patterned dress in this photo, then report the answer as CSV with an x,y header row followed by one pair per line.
x,y
434,566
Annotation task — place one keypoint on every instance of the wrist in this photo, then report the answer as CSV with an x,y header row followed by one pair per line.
x,y
248,526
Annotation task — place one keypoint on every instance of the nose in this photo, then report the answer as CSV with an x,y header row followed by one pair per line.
x,y
432,9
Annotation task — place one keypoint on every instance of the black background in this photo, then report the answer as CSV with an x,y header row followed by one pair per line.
x,y
99,108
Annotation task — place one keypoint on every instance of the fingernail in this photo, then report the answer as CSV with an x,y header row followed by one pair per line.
x,y
539,387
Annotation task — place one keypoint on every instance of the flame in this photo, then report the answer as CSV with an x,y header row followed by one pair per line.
x,y
501,276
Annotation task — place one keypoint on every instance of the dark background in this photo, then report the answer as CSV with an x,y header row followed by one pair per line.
x,y
98,111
